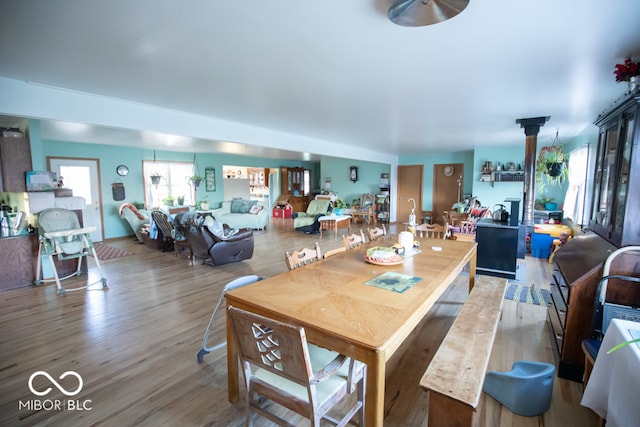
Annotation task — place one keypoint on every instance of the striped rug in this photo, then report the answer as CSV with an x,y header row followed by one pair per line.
x,y
106,252
527,294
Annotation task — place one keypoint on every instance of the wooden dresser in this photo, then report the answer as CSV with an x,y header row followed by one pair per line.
x,y
578,267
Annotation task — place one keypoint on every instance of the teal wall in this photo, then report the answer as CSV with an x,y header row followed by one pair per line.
x,y
338,170
490,194
487,193
111,156
430,159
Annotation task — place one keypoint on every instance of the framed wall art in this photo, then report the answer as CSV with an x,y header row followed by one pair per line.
x,y
210,179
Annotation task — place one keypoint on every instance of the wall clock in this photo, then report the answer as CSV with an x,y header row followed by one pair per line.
x,y
353,173
122,170
448,171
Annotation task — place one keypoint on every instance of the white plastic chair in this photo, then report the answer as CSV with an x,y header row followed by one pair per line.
x,y
234,284
62,236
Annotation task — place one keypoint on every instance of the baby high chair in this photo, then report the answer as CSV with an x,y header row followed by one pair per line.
x,y
61,235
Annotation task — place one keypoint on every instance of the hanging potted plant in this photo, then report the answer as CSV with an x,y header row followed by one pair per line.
x,y
194,180
551,166
155,178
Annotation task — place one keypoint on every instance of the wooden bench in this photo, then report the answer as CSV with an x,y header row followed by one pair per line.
x,y
456,374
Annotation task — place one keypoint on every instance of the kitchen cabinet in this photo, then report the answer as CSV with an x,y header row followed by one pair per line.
x,y
15,161
18,256
617,174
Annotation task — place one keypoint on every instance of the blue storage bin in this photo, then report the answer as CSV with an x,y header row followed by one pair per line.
x,y
541,245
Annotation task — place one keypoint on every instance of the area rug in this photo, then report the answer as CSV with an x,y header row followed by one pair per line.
x,y
106,252
527,294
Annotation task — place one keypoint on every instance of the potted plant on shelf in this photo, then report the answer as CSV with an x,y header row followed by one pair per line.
x,y
168,200
202,205
629,72
551,166
180,200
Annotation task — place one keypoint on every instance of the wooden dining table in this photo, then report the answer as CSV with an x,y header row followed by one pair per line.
x,y
340,312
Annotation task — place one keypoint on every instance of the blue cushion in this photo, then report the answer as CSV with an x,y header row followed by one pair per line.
x,y
241,205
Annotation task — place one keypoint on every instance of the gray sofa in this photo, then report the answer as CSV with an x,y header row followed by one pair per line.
x,y
241,213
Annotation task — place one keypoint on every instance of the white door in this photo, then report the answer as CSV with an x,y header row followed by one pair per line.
x,y
81,175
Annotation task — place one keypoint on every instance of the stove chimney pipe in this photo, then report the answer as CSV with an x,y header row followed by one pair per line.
x,y
531,128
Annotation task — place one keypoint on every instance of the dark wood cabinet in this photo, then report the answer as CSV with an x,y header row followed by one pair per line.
x,y
15,161
292,180
617,174
293,183
577,268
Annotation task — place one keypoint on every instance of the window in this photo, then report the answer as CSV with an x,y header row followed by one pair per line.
x,y
173,181
574,199
307,182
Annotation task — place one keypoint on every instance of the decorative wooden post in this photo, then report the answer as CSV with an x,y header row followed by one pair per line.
x,y
531,128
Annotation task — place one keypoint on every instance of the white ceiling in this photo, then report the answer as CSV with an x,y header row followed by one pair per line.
x,y
330,70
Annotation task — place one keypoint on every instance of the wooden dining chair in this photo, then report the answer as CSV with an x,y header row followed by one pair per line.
x,y
332,252
353,241
432,231
280,366
366,210
376,232
302,257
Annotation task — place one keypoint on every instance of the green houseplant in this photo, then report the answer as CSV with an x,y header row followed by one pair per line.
x,y
551,167
155,178
168,200
194,180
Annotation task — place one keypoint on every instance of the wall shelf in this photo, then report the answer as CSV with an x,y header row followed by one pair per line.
x,y
502,176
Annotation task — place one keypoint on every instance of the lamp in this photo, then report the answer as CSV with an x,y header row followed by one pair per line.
x,y
412,215
418,13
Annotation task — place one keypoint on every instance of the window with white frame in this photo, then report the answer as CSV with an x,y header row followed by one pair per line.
x,y
173,181
574,201
307,182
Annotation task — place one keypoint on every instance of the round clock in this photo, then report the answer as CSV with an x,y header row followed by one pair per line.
x,y
448,171
122,170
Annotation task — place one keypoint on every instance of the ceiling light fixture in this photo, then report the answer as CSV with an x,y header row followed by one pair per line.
x,y
418,13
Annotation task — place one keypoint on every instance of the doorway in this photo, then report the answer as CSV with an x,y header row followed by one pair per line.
x,y
83,177
410,178
448,180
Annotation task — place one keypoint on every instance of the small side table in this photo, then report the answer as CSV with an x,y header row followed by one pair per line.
x,y
334,222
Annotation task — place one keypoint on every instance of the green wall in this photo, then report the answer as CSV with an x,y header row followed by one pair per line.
x,y
431,159
338,170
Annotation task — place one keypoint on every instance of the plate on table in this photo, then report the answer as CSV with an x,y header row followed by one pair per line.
x,y
380,255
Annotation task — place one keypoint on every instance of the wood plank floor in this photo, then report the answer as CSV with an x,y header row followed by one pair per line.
x,y
135,344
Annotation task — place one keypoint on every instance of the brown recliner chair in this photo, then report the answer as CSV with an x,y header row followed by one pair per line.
x,y
215,244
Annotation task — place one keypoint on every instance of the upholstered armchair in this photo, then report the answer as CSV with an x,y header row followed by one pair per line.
x,y
308,221
216,243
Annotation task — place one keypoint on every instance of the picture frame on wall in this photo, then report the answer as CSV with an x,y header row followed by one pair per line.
x,y
210,179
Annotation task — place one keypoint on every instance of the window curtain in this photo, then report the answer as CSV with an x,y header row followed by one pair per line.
x,y
574,199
